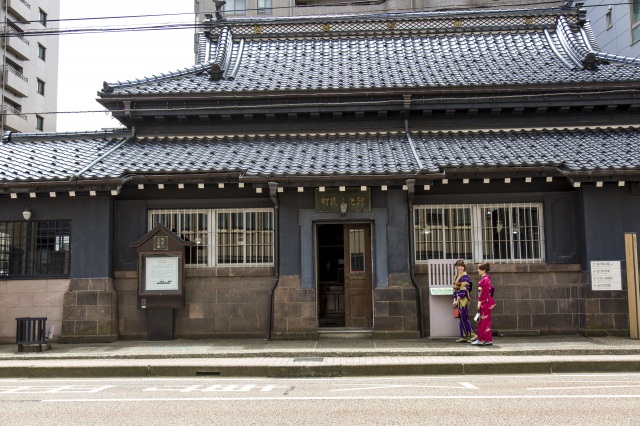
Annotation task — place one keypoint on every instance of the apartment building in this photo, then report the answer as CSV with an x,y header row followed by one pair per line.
x,y
257,8
616,25
30,65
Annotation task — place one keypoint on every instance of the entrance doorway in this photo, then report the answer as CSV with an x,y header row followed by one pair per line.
x,y
344,275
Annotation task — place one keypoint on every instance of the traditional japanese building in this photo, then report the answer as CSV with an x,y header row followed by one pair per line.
x,y
324,172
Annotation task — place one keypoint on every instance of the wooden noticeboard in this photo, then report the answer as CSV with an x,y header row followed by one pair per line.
x,y
160,269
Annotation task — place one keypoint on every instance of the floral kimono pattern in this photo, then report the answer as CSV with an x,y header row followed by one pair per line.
x,y
485,297
461,295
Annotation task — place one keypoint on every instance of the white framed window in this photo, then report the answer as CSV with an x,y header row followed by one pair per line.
x,y
264,7
500,233
229,237
40,87
235,7
635,20
39,122
43,18
42,52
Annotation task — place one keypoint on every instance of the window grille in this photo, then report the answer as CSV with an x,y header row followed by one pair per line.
x,y
502,233
231,237
35,248
356,250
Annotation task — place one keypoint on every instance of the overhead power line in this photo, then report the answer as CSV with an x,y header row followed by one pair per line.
x,y
231,12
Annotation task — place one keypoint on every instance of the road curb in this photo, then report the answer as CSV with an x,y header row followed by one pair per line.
x,y
309,370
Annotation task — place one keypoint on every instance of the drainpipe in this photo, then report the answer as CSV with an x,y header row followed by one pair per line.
x,y
411,190
273,194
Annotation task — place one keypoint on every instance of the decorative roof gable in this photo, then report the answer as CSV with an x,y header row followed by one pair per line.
x,y
408,51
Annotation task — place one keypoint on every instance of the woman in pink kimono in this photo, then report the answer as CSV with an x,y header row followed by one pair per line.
x,y
485,305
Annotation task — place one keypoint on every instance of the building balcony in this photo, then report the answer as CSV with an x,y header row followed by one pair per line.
x,y
17,44
13,120
20,9
16,81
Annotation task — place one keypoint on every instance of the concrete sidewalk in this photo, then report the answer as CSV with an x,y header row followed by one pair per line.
x,y
323,358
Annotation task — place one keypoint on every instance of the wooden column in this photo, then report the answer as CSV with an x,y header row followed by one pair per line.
x,y
633,287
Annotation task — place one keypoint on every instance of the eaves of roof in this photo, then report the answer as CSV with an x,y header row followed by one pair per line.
x,y
579,153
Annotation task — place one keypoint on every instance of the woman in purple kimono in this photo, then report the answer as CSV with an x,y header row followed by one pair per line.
x,y
485,305
461,300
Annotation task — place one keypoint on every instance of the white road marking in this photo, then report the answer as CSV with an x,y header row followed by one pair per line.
x,y
54,389
212,388
329,398
587,387
370,387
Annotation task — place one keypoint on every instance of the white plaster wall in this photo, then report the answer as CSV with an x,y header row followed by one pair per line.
x,y
30,298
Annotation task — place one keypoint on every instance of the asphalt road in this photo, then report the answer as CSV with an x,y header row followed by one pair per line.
x,y
602,399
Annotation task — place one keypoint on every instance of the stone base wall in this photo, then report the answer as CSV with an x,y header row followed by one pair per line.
x,y
395,309
295,315
31,298
219,303
90,312
549,299
606,313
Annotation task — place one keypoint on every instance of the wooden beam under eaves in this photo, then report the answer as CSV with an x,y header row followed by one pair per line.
x,y
183,118
161,118
247,117
204,118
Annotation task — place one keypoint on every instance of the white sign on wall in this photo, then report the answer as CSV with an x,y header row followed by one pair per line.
x,y
606,275
162,273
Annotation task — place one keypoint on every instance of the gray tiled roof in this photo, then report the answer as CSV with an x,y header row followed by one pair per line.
x,y
570,150
279,63
303,155
60,157
598,150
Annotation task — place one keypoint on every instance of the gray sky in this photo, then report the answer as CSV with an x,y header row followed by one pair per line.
x,y
87,60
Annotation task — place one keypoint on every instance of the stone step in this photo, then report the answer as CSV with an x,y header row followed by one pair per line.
x,y
345,333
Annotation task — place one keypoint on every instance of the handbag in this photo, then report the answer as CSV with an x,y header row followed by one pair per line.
x,y
456,313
